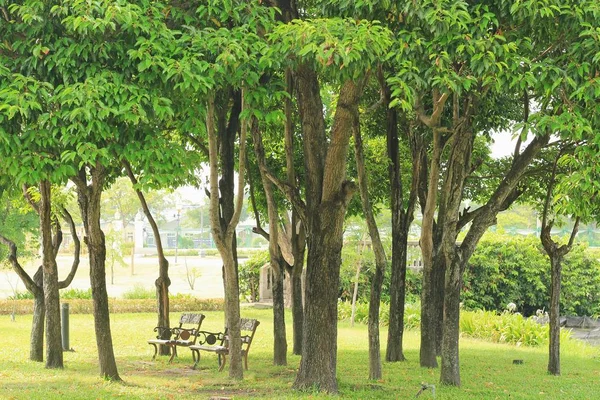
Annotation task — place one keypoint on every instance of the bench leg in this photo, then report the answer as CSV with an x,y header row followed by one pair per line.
x,y
222,361
196,357
155,351
173,353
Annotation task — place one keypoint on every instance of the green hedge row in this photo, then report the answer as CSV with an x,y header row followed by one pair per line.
x,y
85,306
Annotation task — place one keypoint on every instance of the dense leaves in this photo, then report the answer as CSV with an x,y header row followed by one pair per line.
x,y
509,269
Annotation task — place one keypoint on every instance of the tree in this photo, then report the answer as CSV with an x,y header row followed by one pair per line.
x,y
467,114
96,101
380,258
35,284
224,239
316,45
275,254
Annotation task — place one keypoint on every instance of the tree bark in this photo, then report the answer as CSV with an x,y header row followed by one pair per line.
x,y
456,256
457,170
428,315
227,129
36,347
439,292
297,297
88,198
319,345
224,235
375,370
327,197
394,351
554,322
275,254
279,336
401,221
163,281
54,352
556,254
296,228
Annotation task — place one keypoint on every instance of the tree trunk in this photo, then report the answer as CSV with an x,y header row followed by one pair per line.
x,y
54,352
457,169
556,254
223,222
89,203
163,281
275,254
394,351
554,322
456,257
35,285
319,345
297,303
375,370
327,197
428,294
162,284
36,347
439,290
232,305
450,373
280,341
401,221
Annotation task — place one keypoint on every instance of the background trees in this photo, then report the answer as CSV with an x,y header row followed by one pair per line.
x,y
89,91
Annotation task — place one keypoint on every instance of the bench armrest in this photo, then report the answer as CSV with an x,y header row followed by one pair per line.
x,y
210,338
163,332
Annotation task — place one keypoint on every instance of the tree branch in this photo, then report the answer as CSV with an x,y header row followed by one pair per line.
x,y
76,252
201,145
12,257
34,204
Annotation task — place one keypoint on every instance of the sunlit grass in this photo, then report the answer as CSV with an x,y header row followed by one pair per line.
x,y
487,370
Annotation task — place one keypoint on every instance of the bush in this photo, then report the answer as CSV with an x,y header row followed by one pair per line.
x,y
21,296
506,328
139,292
249,275
507,269
68,294
412,313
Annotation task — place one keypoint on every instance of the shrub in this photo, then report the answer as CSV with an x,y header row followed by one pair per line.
x,y
139,292
506,328
21,296
507,269
249,275
68,294
412,313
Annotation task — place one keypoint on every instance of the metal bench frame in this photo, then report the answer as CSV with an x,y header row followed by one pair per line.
x,y
209,340
185,335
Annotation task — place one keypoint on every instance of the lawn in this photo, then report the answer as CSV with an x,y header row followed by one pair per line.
x,y
487,369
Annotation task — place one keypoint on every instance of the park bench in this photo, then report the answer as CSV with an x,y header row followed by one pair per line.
x,y
210,339
184,335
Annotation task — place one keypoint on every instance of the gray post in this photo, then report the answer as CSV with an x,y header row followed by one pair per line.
x,y
64,314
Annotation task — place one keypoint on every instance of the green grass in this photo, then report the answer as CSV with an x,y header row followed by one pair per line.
x,y
486,369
